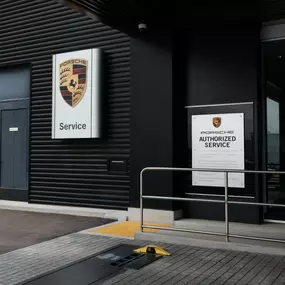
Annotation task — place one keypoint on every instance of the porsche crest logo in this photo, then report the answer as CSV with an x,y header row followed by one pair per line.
x,y
217,121
73,80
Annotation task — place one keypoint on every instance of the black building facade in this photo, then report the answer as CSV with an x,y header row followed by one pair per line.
x,y
60,171
206,61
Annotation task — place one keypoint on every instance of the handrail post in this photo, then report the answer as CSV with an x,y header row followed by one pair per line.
x,y
226,207
141,201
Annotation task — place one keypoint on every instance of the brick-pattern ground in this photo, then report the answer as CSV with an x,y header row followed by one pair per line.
x,y
187,265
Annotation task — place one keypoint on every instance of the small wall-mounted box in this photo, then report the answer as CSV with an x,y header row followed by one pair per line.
x,y
118,165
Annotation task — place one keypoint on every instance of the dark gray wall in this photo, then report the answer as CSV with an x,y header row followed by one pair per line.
x,y
70,172
207,65
151,118
272,10
224,67
223,64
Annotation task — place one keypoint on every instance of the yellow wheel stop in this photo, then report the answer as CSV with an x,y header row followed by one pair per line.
x,y
152,249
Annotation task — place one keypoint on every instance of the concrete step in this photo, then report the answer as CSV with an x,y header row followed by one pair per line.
x,y
64,210
265,230
186,240
275,231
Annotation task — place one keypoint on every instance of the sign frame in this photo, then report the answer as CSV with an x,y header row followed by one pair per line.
x,y
252,150
83,119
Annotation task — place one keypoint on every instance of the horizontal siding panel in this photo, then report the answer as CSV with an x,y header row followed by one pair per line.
x,y
96,188
273,10
64,172
79,195
51,43
36,55
88,203
34,41
31,33
107,181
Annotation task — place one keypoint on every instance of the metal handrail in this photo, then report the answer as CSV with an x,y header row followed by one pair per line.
x,y
226,202
219,195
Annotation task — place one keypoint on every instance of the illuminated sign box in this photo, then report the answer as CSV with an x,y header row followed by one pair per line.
x,y
77,92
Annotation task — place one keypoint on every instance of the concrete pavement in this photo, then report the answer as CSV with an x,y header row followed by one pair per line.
x,y
21,229
187,265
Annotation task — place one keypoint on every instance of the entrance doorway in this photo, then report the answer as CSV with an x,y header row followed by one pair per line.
x,y
274,76
14,132
14,156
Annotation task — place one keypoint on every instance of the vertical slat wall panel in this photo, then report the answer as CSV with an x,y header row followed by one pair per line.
x,y
69,172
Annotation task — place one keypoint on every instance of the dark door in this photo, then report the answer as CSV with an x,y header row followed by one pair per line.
x,y
14,149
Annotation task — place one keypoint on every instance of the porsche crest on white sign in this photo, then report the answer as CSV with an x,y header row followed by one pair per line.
x,y
77,94
218,143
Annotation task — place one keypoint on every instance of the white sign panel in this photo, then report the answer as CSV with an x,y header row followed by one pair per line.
x,y
76,94
218,143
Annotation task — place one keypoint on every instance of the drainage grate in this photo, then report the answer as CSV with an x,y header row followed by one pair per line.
x,y
125,260
98,268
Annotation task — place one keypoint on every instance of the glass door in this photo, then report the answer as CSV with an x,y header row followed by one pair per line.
x,y
274,73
